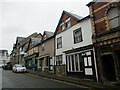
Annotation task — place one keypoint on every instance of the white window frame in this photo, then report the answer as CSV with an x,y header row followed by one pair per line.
x,y
62,26
68,23
70,64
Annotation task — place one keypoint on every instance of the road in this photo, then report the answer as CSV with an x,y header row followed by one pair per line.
x,y
26,80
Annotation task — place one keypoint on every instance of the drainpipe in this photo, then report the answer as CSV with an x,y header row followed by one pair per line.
x,y
96,71
95,64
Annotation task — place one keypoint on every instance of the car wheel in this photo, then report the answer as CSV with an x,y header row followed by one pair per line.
x,y
15,70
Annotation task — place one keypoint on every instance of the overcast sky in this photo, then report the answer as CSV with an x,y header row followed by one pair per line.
x,y
24,17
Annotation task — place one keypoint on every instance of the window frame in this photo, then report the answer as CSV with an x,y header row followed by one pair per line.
x,y
62,26
72,65
79,29
88,60
110,19
58,60
59,38
68,22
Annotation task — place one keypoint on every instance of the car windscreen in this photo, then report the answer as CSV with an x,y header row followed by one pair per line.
x,y
19,65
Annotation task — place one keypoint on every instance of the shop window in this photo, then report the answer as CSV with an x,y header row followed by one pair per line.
x,y
59,60
81,62
87,61
114,18
47,61
74,62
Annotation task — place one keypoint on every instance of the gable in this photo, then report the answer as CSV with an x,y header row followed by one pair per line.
x,y
64,17
47,35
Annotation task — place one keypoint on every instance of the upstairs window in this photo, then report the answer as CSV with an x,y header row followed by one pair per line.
x,y
77,35
114,18
59,42
62,26
68,23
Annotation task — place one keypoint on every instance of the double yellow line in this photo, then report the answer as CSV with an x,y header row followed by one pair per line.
x,y
76,85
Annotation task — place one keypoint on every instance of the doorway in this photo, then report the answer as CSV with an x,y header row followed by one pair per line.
x,y
108,67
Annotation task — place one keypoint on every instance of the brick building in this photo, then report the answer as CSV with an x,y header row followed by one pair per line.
x,y
105,19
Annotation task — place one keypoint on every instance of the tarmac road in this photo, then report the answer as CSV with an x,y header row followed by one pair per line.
x,y
26,80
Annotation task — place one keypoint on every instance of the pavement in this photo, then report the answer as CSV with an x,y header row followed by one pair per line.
x,y
84,82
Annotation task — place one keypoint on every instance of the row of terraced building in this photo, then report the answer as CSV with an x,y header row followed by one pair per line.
x,y
82,47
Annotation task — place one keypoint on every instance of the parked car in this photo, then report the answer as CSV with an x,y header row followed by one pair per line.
x,y
7,67
1,65
19,68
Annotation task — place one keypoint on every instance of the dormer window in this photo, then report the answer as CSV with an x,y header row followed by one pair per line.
x,y
62,26
114,18
68,23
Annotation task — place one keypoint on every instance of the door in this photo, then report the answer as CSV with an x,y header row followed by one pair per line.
x,y
108,67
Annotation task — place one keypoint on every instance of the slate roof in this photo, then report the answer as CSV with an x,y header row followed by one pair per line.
x,y
34,42
76,17
26,40
49,33
93,1
20,39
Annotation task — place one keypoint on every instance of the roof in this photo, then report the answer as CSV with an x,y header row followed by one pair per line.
x,y
33,35
49,33
87,17
20,39
76,17
34,42
93,1
26,40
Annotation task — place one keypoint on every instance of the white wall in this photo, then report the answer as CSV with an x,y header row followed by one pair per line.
x,y
68,39
4,58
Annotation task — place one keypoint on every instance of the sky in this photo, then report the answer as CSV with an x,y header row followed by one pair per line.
x,y
24,17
